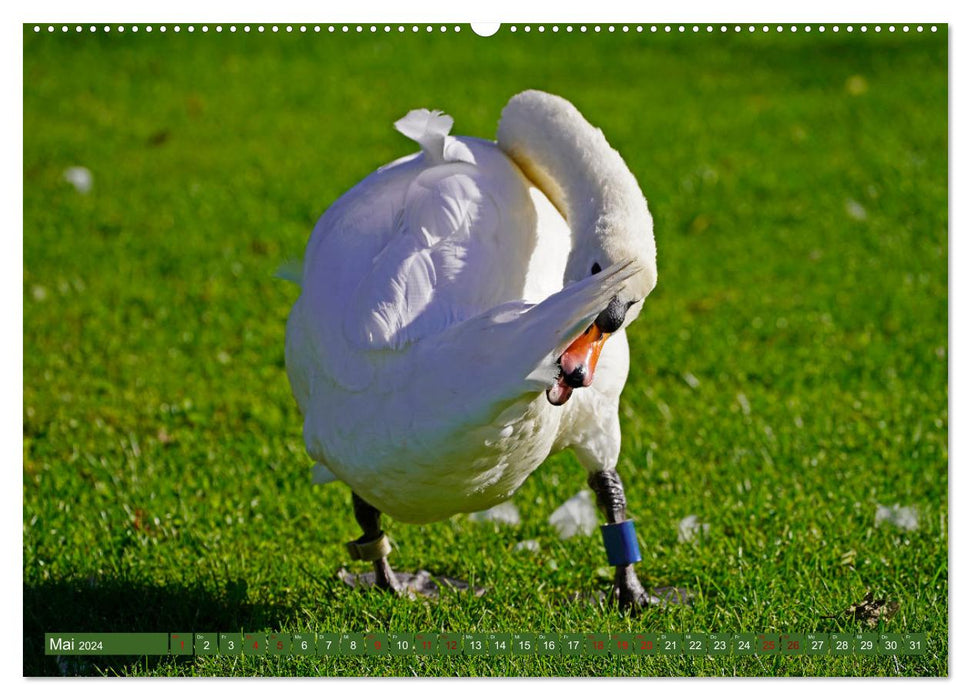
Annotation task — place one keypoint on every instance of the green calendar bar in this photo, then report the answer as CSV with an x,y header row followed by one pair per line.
x,y
328,644
842,644
230,643
695,644
377,644
429,644
499,643
793,644
891,643
180,644
302,644
206,644
572,644
817,644
524,643
720,644
769,644
449,643
107,644
915,644
475,644
645,644
254,644
278,644
352,644
404,644
622,644
597,644
548,644
867,644
744,644
670,644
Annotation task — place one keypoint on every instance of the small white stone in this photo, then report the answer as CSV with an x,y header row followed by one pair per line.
x,y
527,546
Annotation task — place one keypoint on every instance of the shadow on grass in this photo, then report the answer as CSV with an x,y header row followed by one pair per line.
x,y
82,605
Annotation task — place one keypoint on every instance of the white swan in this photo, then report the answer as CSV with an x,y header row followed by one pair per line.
x,y
451,303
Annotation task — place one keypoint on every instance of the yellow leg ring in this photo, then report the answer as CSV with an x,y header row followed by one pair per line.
x,y
370,551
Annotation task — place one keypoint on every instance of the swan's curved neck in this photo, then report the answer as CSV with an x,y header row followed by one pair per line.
x,y
572,163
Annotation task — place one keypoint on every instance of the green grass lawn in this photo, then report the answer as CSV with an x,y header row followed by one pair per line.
x,y
789,373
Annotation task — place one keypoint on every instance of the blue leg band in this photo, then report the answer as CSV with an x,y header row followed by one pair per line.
x,y
620,541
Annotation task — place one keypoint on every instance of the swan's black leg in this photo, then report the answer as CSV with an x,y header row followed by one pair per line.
x,y
628,591
373,545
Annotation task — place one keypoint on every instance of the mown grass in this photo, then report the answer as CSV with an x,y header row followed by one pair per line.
x,y
789,373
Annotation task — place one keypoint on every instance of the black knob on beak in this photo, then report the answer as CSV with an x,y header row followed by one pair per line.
x,y
612,318
576,378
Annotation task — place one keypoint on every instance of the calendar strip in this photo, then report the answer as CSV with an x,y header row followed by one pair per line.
x,y
323,644
106,644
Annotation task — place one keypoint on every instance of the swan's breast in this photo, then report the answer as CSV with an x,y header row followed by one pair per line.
x,y
476,468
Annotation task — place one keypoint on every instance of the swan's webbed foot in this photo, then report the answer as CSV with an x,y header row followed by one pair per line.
x,y
373,546
385,578
629,594
622,549
376,551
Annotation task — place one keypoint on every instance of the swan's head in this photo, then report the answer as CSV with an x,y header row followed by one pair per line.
x,y
578,363
625,234
589,182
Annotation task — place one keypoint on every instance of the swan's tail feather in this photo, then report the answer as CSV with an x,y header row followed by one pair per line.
x,y
430,130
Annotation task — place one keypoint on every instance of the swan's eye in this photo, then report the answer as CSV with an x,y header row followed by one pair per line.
x,y
595,269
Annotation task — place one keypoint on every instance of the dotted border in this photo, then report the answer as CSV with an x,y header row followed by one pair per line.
x,y
511,28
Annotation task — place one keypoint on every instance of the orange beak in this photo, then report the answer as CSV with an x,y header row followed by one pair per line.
x,y
578,364
579,360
